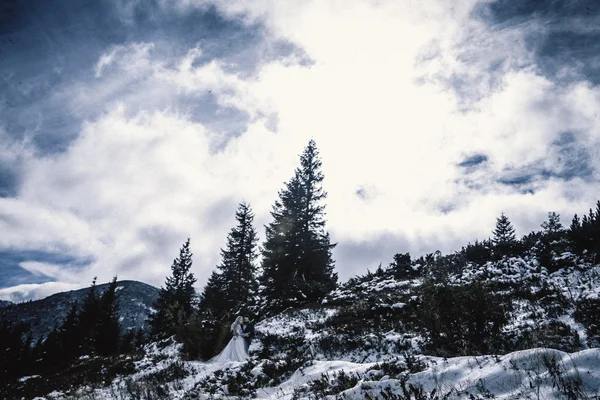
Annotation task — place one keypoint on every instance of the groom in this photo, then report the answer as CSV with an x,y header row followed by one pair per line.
x,y
247,332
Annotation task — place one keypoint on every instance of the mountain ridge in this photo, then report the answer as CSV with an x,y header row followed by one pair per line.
x,y
135,301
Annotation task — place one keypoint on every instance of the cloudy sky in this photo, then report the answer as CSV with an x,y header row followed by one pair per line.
x,y
127,126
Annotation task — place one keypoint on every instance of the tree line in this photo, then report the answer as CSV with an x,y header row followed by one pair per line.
x,y
89,329
297,267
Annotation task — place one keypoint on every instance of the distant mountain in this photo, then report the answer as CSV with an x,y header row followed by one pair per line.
x,y
135,302
522,333
4,303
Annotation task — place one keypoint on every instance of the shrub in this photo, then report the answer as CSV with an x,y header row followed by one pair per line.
x,y
587,312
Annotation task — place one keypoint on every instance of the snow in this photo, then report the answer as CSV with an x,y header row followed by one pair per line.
x,y
522,374
286,389
513,376
533,373
26,378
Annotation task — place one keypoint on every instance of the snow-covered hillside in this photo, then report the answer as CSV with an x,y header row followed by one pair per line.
x,y
529,374
135,299
368,341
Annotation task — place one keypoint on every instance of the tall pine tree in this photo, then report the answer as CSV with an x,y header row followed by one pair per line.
x,y
108,328
231,289
88,318
297,261
235,284
504,237
177,299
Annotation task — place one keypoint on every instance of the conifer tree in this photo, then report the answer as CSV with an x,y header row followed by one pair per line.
x,y
576,236
235,285
107,331
552,227
177,299
504,237
297,261
69,336
88,317
232,288
213,296
551,242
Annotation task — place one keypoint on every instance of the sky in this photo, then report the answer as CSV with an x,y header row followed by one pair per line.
x,y
127,126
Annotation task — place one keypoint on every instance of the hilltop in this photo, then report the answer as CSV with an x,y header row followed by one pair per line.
x,y
386,335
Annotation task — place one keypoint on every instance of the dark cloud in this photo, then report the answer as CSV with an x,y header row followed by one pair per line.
x,y
10,16
573,159
46,46
9,180
49,50
519,179
473,161
501,11
522,180
11,274
563,36
568,159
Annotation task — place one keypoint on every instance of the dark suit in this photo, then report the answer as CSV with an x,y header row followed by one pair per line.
x,y
248,332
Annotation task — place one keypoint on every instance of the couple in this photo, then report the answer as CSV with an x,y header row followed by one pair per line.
x,y
237,348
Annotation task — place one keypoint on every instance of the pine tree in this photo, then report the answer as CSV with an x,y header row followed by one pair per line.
x,y
504,237
297,261
231,289
401,267
177,299
576,236
552,228
552,242
88,317
236,283
213,296
478,252
69,334
107,330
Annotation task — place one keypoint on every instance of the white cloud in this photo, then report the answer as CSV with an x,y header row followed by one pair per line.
x,y
21,293
143,176
133,58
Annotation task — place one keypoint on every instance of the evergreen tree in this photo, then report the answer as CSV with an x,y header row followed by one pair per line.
x,y
14,361
297,261
213,296
552,227
88,318
69,336
177,299
401,267
235,285
576,236
552,243
107,330
478,252
231,289
504,237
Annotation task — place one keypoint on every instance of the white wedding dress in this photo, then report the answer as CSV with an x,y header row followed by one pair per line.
x,y
235,349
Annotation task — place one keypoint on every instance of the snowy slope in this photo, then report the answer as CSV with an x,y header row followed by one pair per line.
x,y
534,373
359,344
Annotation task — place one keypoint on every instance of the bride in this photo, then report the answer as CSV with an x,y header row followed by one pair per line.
x,y
235,349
